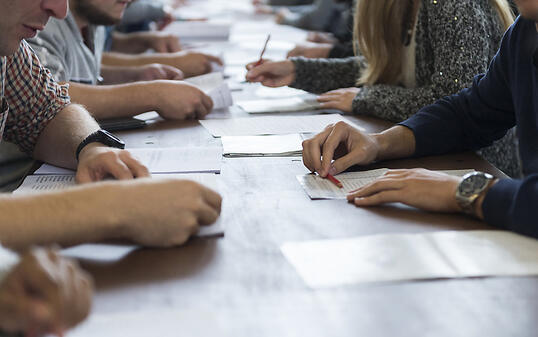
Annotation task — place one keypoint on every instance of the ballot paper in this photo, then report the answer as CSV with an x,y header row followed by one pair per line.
x,y
262,146
304,102
54,182
165,160
214,86
404,257
199,30
267,92
320,188
271,125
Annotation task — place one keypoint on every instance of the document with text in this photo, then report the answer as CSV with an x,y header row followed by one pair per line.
x,y
405,257
214,86
320,188
165,160
307,102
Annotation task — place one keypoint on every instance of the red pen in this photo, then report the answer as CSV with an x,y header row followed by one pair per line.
x,y
263,51
335,181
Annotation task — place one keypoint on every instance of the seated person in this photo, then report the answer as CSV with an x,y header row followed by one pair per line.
x,y
37,116
419,68
41,293
503,97
338,44
72,48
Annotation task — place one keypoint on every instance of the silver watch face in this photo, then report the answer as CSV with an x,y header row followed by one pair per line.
x,y
473,183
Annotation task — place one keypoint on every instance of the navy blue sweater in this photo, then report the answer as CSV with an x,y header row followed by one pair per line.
x,y
505,96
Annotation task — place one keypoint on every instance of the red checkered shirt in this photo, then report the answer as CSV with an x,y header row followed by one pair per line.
x,y
32,95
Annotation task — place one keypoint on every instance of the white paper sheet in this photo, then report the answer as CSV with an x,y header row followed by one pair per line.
x,y
305,102
214,86
262,146
320,188
404,257
199,30
165,160
271,125
44,183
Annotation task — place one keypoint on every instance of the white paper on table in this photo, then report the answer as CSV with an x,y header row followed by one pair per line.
x,y
303,102
404,257
262,146
320,188
267,92
164,160
271,125
214,86
199,30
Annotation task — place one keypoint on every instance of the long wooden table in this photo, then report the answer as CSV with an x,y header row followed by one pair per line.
x,y
241,285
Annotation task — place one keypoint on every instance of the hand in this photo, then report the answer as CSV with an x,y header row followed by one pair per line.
x,y
341,99
342,142
167,19
263,9
162,42
44,294
97,161
180,100
167,212
428,190
311,50
158,71
271,74
321,37
191,63
281,15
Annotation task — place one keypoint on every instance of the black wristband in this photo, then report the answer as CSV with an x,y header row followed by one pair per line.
x,y
103,137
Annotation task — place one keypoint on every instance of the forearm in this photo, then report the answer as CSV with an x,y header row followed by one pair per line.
x,y
65,218
396,142
58,142
117,74
132,43
127,60
321,75
110,101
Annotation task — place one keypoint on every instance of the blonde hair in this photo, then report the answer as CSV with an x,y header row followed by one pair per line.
x,y
379,30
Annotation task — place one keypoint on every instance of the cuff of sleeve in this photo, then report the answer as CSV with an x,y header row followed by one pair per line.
x,y
498,201
301,72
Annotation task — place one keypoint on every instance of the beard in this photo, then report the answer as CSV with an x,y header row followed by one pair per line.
x,y
94,15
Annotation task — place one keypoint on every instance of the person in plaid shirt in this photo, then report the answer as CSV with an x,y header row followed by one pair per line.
x,y
37,116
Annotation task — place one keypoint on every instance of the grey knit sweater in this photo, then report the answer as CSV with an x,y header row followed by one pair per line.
x,y
455,40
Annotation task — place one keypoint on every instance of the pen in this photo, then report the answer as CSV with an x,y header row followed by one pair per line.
x,y
263,51
335,181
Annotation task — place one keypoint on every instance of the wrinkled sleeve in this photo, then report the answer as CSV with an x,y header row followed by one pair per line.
x,y
321,75
34,98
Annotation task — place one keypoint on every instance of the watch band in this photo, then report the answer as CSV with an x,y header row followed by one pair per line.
x,y
100,136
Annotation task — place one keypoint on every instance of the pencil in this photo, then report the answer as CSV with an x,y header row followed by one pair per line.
x,y
335,181
263,51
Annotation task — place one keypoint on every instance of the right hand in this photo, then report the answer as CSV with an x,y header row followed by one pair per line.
x,y
180,100
311,50
341,142
271,74
44,294
165,213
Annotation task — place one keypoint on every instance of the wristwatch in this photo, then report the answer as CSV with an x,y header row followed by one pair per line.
x,y
470,188
101,136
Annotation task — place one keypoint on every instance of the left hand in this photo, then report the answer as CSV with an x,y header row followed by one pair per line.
x,y
156,71
421,188
191,63
97,161
341,99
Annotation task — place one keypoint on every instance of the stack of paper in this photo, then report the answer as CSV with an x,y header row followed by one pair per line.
x,y
271,125
199,30
319,188
214,86
402,257
305,102
262,146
